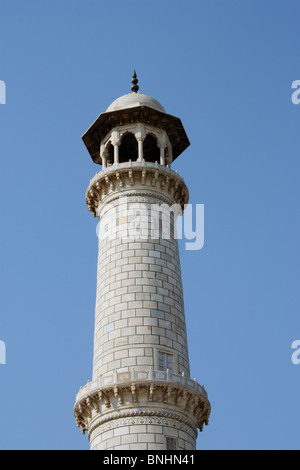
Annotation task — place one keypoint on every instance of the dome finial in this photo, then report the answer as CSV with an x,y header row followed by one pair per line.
x,y
134,81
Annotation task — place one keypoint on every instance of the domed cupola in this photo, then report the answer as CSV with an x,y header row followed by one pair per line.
x,y
135,127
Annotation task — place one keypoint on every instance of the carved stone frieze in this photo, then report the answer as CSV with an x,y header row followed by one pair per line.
x,y
144,178
163,418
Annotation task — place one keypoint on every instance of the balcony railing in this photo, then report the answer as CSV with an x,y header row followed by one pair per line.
x,y
119,378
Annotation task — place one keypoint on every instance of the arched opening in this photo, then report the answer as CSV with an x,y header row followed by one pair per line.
x,y
151,150
129,148
110,154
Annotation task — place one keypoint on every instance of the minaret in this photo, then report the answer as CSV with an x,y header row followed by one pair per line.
x,y
141,395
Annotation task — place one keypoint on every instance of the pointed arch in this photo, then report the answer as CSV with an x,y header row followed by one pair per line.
x,y
151,149
128,148
110,153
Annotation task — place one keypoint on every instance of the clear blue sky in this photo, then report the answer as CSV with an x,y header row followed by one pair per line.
x,y
225,67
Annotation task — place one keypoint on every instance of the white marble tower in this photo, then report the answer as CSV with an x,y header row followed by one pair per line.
x,y
141,395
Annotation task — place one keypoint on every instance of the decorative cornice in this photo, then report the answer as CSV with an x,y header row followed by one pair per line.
x,y
136,179
146,397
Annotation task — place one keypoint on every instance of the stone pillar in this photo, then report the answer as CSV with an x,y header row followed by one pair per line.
x,y
162,156
116,154
140,149
104,155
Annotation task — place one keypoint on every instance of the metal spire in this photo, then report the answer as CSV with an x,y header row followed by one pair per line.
x,y
134,81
